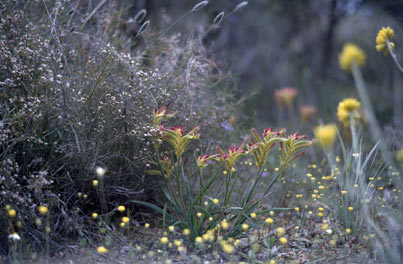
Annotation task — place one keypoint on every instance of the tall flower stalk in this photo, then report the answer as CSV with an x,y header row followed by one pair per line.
x,y
229,159
190,210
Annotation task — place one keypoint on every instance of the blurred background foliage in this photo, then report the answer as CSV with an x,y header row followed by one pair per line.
x,y
271,44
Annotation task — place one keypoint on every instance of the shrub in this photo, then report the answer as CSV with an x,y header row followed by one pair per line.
x,y
72,101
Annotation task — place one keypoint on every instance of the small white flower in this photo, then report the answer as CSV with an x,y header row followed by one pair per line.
x,y
329,231
100,172
356,155
14,236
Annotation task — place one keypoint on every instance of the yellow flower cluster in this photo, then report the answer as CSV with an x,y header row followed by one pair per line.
x,y
102,250
42,209
350,54
11,212
226,247
326,135
385,34
347,107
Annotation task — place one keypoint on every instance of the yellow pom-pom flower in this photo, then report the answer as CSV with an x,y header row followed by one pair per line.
x,y
346,108
224,225
227,248
95,183
326,135
283,240
43,210
121,208
102,250
350,104
351,54
385,34
199,240
186,231
280,231
177,242
12,212
164,240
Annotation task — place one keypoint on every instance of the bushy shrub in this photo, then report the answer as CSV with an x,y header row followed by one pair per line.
x,y
72,101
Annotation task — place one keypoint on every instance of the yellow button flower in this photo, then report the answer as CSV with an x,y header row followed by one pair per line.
x,y
12,212
350,54
121,208
177,242
102,250
283,240
227,248
326,135
224,225
186,231
280,231
43,210
95,183
347,107
164,240
199,240
383,35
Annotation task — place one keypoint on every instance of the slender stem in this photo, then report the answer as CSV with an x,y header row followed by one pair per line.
x,y
102,194
353,134
201,186
178,186
47,236
373,123
257,179
175,22
393,55
227,192
280,174
354,151
232,186
14,249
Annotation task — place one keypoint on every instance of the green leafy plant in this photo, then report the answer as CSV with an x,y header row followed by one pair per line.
x,y
189,209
